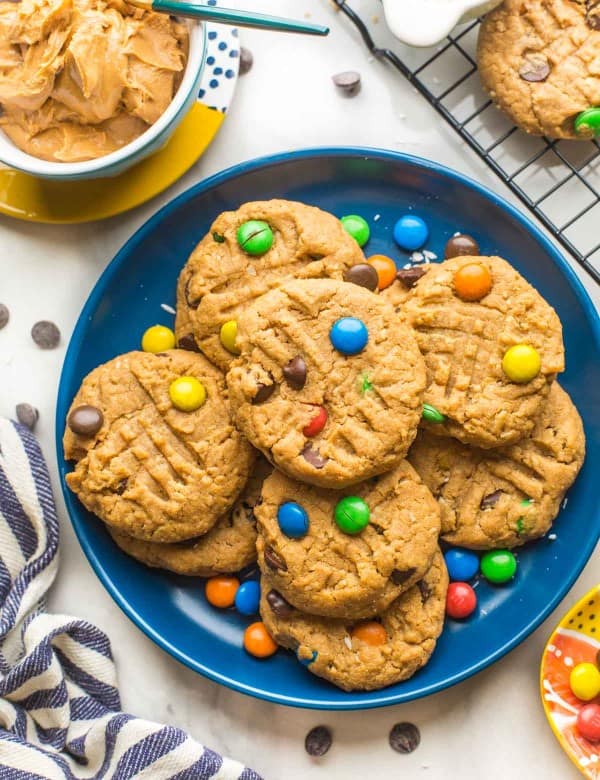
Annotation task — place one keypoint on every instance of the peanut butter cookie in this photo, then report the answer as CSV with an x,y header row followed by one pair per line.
x,y
485,393
329,384
330,570
538,59
507,496
145,467
222,277
228,547
358,656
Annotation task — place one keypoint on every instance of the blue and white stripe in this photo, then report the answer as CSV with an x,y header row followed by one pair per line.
x,y
60,712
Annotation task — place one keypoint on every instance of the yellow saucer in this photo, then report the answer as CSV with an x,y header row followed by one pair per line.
x,y
575,640
43,200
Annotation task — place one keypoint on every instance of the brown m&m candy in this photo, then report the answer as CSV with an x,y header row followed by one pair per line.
x,y
364,275
85,420
461,244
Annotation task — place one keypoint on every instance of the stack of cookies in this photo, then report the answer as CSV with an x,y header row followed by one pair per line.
x,y
331,426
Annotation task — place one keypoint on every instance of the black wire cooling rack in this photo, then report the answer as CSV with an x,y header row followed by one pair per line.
x,y
559,181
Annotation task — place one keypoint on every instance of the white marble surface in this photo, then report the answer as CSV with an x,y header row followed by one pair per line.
x,y
491,726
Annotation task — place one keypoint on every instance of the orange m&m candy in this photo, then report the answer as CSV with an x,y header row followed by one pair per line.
x,y
258,642
220,591
386,270
371,633
472,282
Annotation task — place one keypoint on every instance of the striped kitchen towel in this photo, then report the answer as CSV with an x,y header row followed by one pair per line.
x,y
59,702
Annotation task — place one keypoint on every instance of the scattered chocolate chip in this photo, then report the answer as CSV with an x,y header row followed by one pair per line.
x,y
45,334
188,342
246,60
263,393
318,741
410,276
218,238
313,457
4,315
27,415
273,560
405,737
279,605
85,420
399,576
294,373
425,590
489,501
535,67
364,275
347,82
121,487
461,245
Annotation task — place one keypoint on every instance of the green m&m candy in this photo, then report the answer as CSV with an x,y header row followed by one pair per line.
x,y
432,415
352,514
255,237
498,566
357,227
588,122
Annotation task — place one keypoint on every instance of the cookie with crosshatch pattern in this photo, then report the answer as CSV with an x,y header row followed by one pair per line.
x,y
333,573
220,280
152,471
333,649
464,342
538,59
506,496
320,414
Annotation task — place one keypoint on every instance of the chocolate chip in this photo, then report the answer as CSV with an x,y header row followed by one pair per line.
x,y
364,275
398,576
279,605
313,457
85,420
218,238
592,17
410,276
347,82
535,67
273,560
45,334
263,393
246,60
425,590
460,245
405,737
188,342
318,741
27,415
121,487
4,315
294,373
489,501
193,303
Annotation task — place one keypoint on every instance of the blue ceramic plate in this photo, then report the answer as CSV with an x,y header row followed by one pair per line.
x,y
379,186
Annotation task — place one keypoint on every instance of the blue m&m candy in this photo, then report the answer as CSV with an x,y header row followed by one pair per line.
x,y
247,597
410,232
349,335
293,520
462,564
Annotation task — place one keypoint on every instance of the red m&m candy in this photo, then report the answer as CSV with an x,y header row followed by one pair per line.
x,y
316,425
588,722
460,600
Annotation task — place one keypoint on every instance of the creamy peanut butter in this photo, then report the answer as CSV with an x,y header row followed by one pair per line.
x,y
81,78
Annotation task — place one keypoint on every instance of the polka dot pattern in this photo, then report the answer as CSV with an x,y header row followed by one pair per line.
x,y
222,64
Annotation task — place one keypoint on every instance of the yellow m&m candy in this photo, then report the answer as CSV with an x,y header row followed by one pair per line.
x,y
228,335
187,393
158,338
585,681
521,363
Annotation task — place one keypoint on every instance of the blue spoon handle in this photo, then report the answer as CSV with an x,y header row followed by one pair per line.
x,y
238,18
